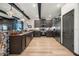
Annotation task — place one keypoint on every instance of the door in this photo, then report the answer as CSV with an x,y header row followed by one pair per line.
x,y
68,30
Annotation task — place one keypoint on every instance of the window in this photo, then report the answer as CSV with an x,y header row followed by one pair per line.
x,y
4,27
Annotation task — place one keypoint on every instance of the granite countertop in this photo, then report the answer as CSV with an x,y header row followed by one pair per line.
x,y
23,33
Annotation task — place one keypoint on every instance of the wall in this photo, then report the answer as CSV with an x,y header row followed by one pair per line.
x,y
66,8
29,22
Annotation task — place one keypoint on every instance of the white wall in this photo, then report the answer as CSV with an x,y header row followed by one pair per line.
x,y
29,22
66,8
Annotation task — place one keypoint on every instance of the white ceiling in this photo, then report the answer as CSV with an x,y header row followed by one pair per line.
x,y
48,10
28,8
6,7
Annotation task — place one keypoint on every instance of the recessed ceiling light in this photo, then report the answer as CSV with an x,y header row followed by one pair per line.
x,y
58,5
34,5
22,19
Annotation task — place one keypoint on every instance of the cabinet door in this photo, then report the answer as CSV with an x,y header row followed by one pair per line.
x,y
15,45
37,23
48,23
68,30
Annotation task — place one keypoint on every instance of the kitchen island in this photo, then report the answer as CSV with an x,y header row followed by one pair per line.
x,y
18,42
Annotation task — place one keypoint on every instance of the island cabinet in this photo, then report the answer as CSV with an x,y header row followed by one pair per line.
x,y
17,43
29,37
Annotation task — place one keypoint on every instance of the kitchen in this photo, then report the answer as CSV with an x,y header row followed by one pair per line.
x,y
23,23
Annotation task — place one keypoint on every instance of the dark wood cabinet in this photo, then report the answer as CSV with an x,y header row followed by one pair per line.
x,y
29,37
43,23
68,30
49,33
23,42
19,42
16,44
49,23
37,23
36,33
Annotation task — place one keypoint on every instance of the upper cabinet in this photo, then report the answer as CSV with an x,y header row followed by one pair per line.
x,y
36,23
43,23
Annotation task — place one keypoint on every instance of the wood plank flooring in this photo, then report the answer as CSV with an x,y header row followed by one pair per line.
x,y
45,46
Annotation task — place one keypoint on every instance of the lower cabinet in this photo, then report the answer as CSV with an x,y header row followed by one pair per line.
x,y
16,44
36,33
29,37
49,33
19,43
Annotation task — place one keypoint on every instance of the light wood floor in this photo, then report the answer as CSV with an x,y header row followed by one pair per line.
x,y
45,46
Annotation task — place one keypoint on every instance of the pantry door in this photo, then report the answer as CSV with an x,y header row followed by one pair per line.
x,y
68,30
